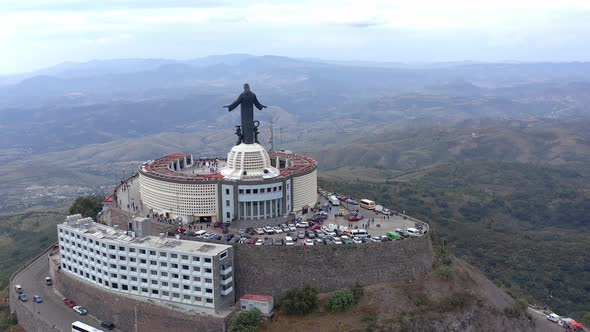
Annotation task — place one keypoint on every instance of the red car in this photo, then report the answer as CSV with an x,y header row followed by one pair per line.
x,y
252,240
69,303
355,218
315,227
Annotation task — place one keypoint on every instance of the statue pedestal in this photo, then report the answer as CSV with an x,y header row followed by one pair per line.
x,y
249,162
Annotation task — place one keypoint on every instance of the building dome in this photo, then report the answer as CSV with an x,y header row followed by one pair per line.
x,y
249,161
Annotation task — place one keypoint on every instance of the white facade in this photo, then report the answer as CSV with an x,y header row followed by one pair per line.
x,y
248,162
260,201
305,189
192,274
179,199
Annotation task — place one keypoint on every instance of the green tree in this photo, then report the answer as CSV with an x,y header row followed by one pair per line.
x,y
341,300
586,319
246,321
299,301
87,206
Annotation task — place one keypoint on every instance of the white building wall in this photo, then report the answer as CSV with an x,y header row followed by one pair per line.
x,y
186,278
305,190
179,199
227,202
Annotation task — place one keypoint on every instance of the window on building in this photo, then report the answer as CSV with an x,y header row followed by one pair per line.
x,y
144,280
207,270
207,260
227,191
223,255
174,266
152,253
133,278
124,287
154,282
197,289
208,280
185,257
185,277
208,290
164,274
153,263
176,295
111,246
123,267
185,267
114,285
134,288
196,279
196,258
186,297
122,258
155,291
163,254
133,269
174,255
209,300
248,191
142,251
164,284
163,264
186,287
165,293
262,190
154,272
240,191
175,285
144,290
121,248
142,261
132,259
131,249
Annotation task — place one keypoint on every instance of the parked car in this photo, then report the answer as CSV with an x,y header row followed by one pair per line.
x,y
259,242
268,230
302,224
69,303
308,242
278,242
412,231
337,240
259,231
301,235
352,201
292,227
23,297
356,240
315,227
289,241
80,310
277,230
48,281
241,231
345,239
107,325
285,228
553,317
318,241
355,217
37,299
18,288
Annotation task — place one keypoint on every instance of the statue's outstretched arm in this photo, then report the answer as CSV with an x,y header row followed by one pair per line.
x,y
234,104
258,104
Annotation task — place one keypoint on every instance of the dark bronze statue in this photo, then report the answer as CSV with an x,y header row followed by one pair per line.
x,y
239,134
247,100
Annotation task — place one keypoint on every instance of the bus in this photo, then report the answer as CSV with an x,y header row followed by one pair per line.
x,y
367,204
334,200
81,327
360,233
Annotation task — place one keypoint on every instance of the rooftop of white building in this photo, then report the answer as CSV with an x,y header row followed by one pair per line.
x,y
98,231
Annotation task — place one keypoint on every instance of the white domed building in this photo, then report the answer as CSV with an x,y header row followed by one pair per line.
x,y
251,184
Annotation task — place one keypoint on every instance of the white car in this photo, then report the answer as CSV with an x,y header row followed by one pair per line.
x,y
80,310
303,224
292,227
289,241
259,231
259,242
337,240
553,317
278,230
356,240
268,230
308,242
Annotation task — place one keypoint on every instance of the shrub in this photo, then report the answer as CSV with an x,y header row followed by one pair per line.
x,y
340,300
357,292
299,301
246,321
444,272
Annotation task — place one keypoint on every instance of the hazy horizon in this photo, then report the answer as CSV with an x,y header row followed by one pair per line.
x,y
46,33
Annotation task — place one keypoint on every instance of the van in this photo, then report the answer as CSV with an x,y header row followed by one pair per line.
x,y
200,233
48,281
412,231
18,288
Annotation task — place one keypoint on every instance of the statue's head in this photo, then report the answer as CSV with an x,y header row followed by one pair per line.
x,y
246,87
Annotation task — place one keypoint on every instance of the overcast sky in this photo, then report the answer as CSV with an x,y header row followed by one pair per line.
x,y
38,33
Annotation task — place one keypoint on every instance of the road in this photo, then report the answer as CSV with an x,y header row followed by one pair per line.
x,y
52,309
542,324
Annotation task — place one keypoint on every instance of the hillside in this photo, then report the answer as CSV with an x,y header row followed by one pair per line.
x,y
524,226
465,302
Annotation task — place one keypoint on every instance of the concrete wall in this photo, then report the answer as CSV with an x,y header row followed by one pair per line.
x,y
271,270
121,218
122,310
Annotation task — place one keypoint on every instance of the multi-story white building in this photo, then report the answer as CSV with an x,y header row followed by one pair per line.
x,y
191,274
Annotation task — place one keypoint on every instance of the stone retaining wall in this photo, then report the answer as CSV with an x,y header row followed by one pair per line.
x,y
126,312
272,269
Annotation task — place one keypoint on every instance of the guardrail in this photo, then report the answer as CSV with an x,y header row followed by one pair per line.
x,y
20,269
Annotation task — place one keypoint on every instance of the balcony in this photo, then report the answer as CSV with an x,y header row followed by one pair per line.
x,y
227,270
227,291
227,281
